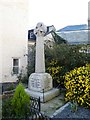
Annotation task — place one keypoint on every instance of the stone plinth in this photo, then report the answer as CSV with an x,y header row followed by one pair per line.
x,y
44,97
40,85
39,82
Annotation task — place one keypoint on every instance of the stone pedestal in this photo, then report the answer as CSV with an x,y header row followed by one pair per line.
x,y
40,85
44,97
40,81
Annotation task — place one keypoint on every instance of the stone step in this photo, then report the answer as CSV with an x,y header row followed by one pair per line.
x,y
50,107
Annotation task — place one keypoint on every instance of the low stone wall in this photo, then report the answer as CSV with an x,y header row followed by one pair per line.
x,y
8,86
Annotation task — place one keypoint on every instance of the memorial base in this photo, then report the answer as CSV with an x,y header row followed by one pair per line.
x,y
40,81
45,96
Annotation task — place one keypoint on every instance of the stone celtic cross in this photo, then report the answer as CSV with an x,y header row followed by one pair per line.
x,y
40,82
40,31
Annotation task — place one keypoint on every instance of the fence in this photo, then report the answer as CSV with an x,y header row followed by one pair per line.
x,y
35,109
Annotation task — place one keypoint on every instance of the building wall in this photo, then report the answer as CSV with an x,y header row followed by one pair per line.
x,y
0,53
75,36
0,43
14,36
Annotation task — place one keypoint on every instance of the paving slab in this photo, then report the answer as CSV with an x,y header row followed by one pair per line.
x,y
49,108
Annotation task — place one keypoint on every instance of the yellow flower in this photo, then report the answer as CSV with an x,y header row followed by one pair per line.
x,y
77,82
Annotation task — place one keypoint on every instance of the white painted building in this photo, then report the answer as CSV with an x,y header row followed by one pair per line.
x,y
13,38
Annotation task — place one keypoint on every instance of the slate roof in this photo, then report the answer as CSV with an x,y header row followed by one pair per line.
x,y
74,28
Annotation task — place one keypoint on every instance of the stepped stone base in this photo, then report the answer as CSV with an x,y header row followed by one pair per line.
x,y
44,97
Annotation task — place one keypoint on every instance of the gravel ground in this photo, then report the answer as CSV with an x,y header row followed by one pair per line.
x,y
67,114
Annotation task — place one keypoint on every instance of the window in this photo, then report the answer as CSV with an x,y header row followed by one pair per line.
x,y
15,66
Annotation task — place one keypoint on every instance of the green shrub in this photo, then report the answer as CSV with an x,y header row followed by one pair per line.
x,y
20,102
7,110
67,56
23,78
31,60
11,87
77,83
55,71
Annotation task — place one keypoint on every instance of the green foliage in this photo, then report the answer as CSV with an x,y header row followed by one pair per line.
x,y
67,56
23,78
20,101
31,60
7,110
11,87
77,83
55,70
74,106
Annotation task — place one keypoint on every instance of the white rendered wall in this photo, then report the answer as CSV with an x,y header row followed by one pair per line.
x,y
0,58
0,44
14,36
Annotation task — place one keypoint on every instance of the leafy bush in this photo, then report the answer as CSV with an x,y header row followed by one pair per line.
x,y
23,78
77,83
55,70
67,56
31,60
7,110
11,87
20,102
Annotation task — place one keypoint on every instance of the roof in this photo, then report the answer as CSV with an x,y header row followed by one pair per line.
x,y
74,28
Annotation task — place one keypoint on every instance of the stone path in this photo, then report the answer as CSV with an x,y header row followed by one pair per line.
x,y
51,106
56,109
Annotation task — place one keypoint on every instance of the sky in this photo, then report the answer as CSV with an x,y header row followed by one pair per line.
x,y
59,13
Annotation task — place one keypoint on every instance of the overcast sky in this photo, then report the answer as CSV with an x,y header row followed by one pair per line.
x,y
59,13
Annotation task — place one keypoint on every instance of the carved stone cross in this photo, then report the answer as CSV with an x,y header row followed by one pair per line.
x,y
40,31
40,83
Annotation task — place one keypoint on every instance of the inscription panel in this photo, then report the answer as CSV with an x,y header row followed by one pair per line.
x,y
35,83
40,81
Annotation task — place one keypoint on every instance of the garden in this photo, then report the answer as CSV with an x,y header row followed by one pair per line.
x,y
69,66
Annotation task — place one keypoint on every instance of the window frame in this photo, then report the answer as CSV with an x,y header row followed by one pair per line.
x,y
17,66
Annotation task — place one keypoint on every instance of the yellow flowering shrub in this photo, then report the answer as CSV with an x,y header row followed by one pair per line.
x,y
77,83
54,69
